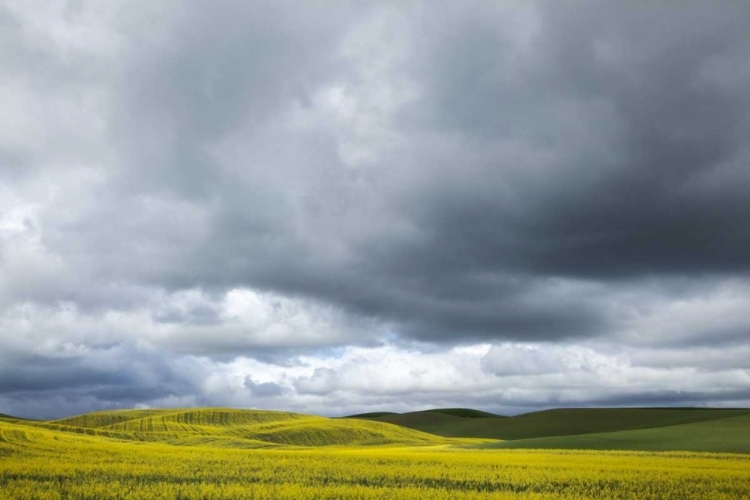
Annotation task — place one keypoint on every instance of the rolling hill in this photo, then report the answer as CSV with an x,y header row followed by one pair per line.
x,y
186,454
727,435
676,429
226,428
549,423
443,422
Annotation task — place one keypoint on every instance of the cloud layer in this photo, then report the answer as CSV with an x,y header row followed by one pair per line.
x,y
384,206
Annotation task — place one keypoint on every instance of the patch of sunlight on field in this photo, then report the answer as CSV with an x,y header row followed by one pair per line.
x,y
220,427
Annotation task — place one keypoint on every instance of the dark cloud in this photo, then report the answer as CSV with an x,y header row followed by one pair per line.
x,y
117,377
395,173
643,151
211,72
676,398
579,152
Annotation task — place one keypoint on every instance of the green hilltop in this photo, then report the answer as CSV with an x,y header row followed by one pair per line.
x,y
727,435
698,429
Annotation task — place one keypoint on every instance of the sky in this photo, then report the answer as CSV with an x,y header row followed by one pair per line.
x,y
339,207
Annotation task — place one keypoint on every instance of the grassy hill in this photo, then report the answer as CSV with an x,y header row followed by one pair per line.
x,y
371,415
549,423
10,418
464,413
440,421
727,435
226,428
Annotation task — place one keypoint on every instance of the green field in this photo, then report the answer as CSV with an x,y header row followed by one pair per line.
x,y
217,453
686,429
730,435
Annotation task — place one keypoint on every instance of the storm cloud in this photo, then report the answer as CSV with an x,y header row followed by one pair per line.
x,y
239,203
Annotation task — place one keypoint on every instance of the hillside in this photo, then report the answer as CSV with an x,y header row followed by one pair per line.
x,y
727,435
371,415
226,428
439,421
559,422
10,418
464,413
717,430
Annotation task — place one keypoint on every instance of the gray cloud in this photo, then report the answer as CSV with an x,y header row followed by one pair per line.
x,y
636,159
92,379
509,360
376,175
263,389
322,381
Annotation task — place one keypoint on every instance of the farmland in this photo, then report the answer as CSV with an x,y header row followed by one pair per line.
x,y
234,454
551,423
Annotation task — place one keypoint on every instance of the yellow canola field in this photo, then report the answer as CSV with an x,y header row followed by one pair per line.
x,y
222,427
43,464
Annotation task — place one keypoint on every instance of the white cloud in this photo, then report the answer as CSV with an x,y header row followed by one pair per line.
x,y
524,360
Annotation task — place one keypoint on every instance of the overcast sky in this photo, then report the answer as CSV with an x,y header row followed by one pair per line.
x,y
337,207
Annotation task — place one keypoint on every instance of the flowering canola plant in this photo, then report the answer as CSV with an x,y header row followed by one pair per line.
x,y
52,462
